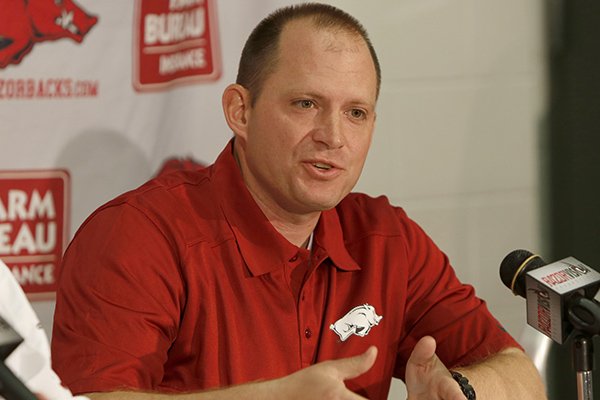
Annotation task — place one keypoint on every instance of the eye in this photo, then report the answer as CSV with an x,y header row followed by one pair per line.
x,y
357,113
305,103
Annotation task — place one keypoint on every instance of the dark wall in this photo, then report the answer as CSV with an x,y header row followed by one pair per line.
x,y
573,164
571,156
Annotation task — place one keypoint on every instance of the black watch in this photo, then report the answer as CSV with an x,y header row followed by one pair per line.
x,y
463,382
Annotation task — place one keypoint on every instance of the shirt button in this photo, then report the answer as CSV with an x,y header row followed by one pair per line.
x,y
307,333
294,258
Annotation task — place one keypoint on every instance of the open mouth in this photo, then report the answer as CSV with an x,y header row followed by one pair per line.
x,y
321,166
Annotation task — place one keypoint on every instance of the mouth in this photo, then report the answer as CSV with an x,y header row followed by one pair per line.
x,y
322,166
323,169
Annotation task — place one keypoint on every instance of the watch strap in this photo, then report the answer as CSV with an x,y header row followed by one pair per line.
x,y
463,382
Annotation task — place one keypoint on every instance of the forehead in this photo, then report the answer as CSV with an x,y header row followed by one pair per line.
x,y
302,37
306,30
324,56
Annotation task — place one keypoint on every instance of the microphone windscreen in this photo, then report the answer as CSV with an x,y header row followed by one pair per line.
x,y
512,265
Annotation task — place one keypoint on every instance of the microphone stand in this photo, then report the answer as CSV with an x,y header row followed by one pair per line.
x,y
583,362
584,314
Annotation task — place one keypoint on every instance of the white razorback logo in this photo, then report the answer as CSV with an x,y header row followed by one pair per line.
x,y
357,321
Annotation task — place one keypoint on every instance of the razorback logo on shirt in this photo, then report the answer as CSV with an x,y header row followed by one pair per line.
x,y
357,321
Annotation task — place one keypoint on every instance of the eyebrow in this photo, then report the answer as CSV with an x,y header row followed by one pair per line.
x,y
314,95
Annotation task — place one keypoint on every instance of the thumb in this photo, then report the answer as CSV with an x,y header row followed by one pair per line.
x,y
423,353
351,367
421,363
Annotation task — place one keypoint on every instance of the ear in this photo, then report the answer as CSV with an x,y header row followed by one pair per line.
x,y
236,107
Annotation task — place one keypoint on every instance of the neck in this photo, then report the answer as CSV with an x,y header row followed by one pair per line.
x,y
295,228
296,234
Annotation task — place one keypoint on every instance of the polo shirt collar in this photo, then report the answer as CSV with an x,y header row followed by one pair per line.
x,y
329,236
263,248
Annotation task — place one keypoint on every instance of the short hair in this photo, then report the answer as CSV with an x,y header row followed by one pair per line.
x,y
259,56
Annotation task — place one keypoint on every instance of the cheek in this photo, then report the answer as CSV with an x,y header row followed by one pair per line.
x,y
276,135
361,148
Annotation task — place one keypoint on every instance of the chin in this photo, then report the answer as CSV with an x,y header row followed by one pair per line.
x,y
318,199
323,205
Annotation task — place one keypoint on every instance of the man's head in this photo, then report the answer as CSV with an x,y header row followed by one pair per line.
x,y
301,144
260,53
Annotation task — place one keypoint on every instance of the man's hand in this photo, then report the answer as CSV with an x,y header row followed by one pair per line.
x,y
426,376
325,380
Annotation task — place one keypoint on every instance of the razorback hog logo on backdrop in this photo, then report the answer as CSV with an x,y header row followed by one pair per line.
x,y
26,22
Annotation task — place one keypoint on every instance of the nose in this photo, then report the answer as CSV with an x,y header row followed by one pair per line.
x,y
329,131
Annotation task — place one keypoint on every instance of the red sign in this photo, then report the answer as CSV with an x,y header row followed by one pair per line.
x,y
175,42
34,214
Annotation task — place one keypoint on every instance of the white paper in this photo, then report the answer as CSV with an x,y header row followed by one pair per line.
x,y
30,361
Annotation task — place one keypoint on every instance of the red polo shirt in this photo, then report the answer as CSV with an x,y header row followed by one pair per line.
x,y
183,285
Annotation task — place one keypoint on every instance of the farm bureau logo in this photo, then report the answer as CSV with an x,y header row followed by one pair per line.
x,y
26,22
34,210
175,42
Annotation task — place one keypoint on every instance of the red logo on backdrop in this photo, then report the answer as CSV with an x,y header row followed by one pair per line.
x,y
175,42
34,209
26,22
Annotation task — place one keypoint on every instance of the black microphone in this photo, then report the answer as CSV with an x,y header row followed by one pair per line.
x,y
559,296
11,388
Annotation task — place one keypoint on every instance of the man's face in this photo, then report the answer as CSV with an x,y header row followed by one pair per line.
x,y
309,131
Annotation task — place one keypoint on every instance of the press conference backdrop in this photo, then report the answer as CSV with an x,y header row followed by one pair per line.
x,y
96,102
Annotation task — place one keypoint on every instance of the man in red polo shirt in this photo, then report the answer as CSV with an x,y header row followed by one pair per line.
x,y
262,276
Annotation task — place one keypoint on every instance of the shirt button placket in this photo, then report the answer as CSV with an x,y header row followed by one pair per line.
x,y
307,333
308,343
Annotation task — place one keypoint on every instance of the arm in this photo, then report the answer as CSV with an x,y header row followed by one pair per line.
x,y
319,381
508,374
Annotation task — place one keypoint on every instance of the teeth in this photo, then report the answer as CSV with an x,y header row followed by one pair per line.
x,y
322,166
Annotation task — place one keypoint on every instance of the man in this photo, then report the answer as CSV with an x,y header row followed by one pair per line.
x,y
260,276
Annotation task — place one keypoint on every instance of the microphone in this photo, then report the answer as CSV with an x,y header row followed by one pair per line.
x,y
11,388
559,296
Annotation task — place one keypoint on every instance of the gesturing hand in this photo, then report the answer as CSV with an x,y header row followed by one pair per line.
x,y
427,378
325,380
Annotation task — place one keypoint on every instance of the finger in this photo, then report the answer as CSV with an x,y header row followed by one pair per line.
x,y
423,353
351,367
421,367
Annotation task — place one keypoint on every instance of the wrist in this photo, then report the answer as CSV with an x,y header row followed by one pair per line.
x,y
464,384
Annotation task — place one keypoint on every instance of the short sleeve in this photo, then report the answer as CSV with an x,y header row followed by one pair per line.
x,y
118,304
439,305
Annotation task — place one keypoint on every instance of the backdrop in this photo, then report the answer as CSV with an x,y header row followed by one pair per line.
x,y
96,95
94,98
